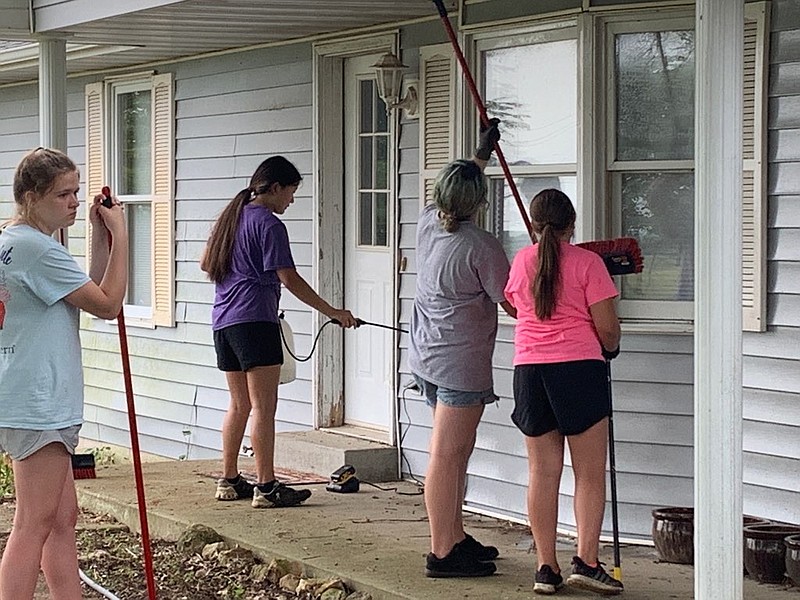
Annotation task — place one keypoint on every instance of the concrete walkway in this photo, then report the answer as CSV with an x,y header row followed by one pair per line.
x,y
374,540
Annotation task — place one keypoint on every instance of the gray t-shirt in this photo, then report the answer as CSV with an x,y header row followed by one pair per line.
x,y
461,277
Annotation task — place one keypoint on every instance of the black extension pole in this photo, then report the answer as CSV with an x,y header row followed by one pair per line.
x,y
612,471
476,97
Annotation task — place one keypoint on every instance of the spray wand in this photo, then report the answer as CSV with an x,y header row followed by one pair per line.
x,y
137,459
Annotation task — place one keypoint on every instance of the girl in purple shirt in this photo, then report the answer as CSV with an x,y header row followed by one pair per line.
x,y
248,257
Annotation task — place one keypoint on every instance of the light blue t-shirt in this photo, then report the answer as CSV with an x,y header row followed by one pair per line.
x,y
41,377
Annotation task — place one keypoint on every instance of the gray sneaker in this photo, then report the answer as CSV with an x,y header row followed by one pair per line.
x,y
280,496
239,490
593,579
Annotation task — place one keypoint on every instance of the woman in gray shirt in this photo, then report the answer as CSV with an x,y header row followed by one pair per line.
x,y
453,326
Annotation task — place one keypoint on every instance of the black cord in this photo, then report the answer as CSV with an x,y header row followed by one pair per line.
x,y
403,459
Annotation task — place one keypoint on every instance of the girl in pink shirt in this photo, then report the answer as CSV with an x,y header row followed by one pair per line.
x,y
566,325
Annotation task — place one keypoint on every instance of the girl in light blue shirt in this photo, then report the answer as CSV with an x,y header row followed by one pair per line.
x,y
42,289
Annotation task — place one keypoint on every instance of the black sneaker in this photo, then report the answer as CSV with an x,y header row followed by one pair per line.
x,y
279,496
594,579
238,490
469,545
547,581
457,564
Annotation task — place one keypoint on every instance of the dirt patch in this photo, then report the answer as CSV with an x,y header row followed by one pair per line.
x,y
112,556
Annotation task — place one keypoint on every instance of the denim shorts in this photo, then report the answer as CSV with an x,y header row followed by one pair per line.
x,y
458,399
22,443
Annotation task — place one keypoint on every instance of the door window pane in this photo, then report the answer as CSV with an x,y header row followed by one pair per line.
x,y
533,90
367,104
381,223
133,143
381,162
365,165
365,219
655,95
507,223
138,216
658,210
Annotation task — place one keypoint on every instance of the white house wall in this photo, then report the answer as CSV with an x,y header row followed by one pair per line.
x,y
231,112
772,359
236,109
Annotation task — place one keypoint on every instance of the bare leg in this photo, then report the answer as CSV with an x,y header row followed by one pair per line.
x,y
452,442
545,463
235,422
588,451
60,555
37,516
262,386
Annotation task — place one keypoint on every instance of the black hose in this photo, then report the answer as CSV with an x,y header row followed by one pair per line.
x,y
319,332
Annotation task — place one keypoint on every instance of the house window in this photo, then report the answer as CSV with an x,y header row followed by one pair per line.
x,y
129,146
131,151
608,119
650,161
539,122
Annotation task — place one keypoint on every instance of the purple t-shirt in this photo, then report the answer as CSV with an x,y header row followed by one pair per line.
x,y
251,290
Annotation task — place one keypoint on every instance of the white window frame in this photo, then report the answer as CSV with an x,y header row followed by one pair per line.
x,y
542,33
115,89
637,310
100,155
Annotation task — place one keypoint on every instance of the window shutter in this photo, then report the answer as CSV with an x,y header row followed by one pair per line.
x,y
754,181
95,174
437,99
163,205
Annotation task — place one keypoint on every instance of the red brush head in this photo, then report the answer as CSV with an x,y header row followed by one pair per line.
x,y
622,256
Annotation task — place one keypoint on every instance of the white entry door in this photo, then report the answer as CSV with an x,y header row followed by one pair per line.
x,y
369,242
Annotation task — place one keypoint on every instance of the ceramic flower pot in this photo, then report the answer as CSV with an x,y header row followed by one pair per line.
x,y
673,534
749,520
792,544
765,551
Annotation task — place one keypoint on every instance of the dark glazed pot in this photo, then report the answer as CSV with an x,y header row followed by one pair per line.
x,y
792,544
765,551
673,534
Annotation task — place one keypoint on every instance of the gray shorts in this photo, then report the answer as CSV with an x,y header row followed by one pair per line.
x,y
21,443
456,398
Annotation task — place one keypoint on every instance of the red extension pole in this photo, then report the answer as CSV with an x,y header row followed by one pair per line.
x,y
476,97
147,551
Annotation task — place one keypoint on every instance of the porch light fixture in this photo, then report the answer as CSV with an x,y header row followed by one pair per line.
x,y
389,72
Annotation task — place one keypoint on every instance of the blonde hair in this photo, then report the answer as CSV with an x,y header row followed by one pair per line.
x,y
459,192
37,172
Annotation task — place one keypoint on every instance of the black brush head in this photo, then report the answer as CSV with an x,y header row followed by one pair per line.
x,y
83,461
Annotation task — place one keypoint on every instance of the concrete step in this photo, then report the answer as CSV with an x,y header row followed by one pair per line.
x,y
322,452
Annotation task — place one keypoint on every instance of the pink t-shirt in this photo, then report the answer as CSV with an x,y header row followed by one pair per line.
x,y
569,334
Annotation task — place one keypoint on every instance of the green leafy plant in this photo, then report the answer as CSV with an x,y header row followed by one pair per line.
x,y
6,478
103,455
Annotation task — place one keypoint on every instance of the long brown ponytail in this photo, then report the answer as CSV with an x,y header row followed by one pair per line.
x,y
216,261
552,215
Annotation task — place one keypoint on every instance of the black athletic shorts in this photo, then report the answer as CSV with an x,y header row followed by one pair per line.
x,y
246,345
569,397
